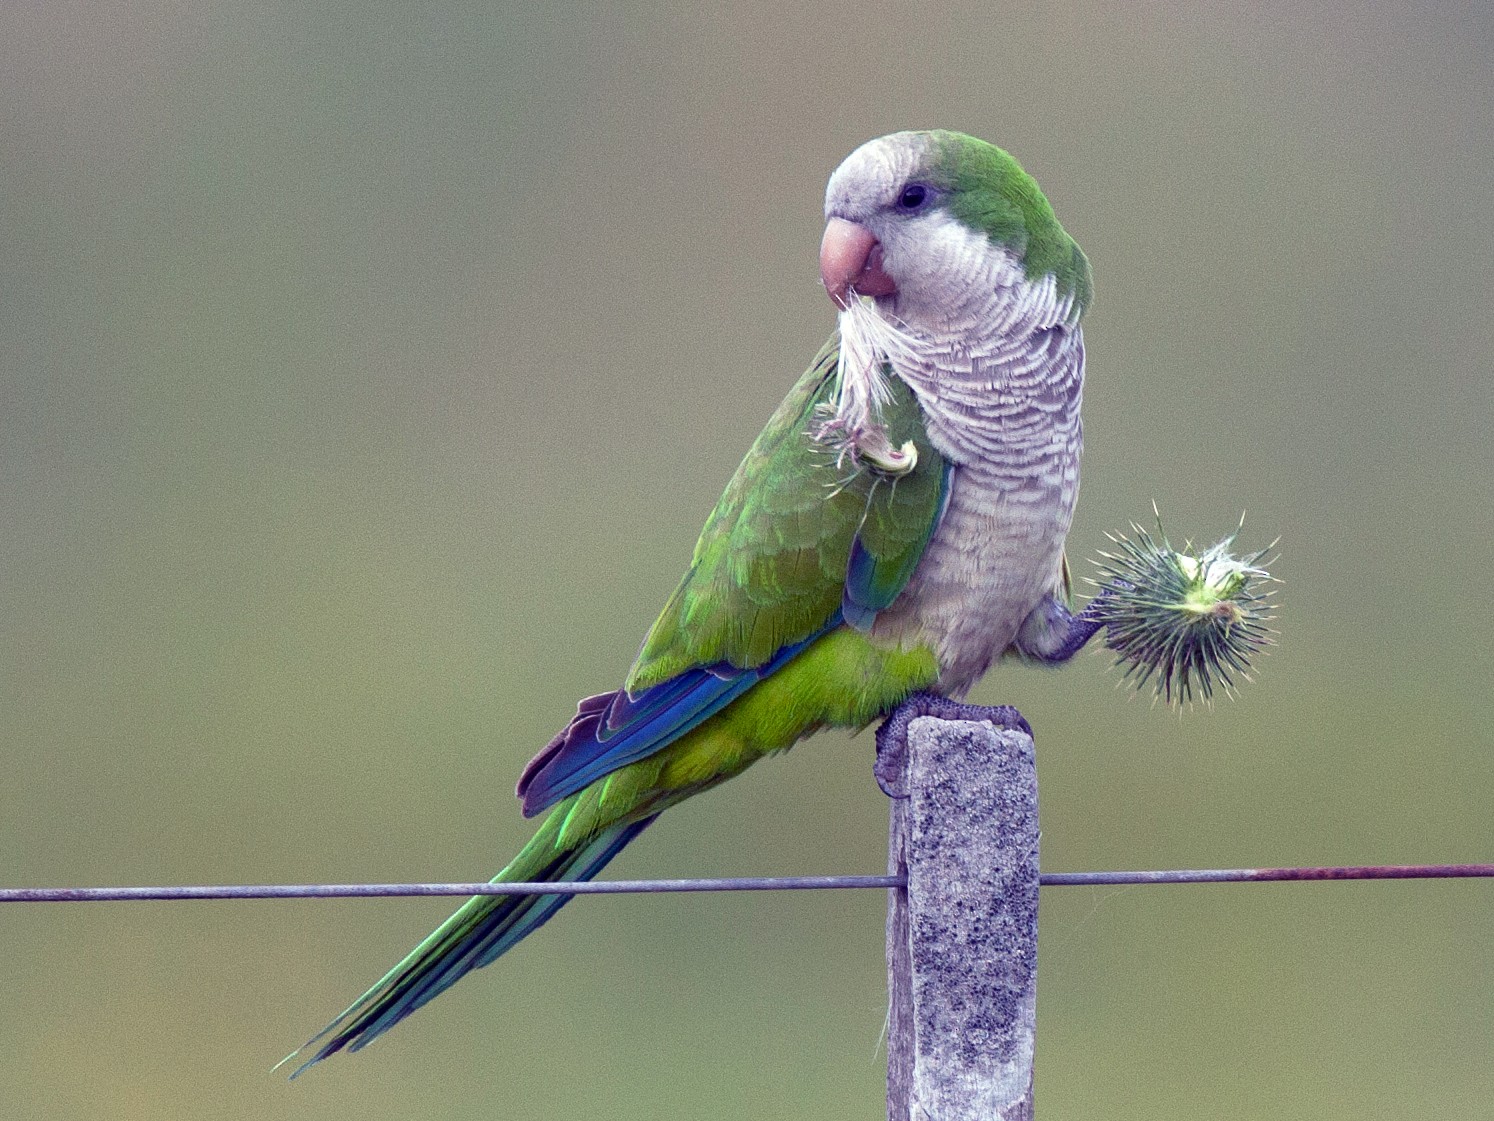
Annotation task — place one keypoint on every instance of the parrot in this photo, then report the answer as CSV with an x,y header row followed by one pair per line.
x,y
896,528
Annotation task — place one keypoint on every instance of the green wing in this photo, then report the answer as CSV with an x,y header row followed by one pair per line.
x,y
798,541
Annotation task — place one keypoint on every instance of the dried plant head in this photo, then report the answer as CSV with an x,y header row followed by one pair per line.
x,y
1188,621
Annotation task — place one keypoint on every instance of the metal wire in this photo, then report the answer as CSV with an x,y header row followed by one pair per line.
x,y
760,883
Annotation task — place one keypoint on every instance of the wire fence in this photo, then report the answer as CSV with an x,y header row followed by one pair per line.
x,y
749,883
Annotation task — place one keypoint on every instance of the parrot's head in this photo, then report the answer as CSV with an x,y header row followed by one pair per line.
x,y
915,219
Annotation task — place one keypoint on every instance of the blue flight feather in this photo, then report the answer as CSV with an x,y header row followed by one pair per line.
x,y
612,730
872,585
858,604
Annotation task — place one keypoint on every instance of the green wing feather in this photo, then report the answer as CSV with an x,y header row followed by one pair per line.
x,y
770,567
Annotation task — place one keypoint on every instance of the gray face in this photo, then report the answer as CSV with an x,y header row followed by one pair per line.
x,y
932,257
865,188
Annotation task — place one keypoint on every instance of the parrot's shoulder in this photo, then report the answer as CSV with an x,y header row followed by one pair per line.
x,y
804,535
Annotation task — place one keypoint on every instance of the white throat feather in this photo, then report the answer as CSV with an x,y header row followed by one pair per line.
x,y
852,424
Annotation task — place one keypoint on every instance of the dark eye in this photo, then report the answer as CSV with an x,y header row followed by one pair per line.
x,y
913,197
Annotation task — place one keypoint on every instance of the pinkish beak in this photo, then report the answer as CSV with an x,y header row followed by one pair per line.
x,y
851,263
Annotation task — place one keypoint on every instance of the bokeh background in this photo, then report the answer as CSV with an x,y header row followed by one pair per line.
x,y
366,372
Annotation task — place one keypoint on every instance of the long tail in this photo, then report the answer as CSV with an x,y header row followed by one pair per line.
x,y
485,927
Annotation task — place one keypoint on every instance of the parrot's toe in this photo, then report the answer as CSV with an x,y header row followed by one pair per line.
x,y
892,736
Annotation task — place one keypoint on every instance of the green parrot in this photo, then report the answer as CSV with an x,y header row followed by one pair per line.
x,y
897,527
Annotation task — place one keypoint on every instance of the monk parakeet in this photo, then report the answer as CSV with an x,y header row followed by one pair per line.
x,y
897,527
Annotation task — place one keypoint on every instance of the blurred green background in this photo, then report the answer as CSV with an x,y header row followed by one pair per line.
x,y
366,372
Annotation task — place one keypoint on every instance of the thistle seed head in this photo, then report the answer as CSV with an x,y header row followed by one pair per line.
x,y
1187,621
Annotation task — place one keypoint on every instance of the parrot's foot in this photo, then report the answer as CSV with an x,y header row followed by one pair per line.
x,y
1053,634
892,736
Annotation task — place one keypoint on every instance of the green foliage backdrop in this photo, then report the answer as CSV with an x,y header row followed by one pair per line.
x,y
366,372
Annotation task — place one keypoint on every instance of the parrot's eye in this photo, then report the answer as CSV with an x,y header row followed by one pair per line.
x,y
913,197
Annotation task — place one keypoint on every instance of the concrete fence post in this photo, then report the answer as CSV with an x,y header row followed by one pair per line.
x,y
962,936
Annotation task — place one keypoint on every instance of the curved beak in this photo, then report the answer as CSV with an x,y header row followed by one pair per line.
x,y
851,263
